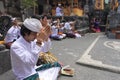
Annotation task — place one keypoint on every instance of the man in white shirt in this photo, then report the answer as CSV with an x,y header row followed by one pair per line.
x,y
67,26
25,52
59,11
12,34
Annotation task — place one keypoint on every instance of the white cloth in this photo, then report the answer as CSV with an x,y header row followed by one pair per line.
x,y
13,19
64,35
33,24
12,34
77,35
24,57
59,11
59,4
49,74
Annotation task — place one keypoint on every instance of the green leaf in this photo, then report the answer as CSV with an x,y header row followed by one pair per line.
x,y
28,3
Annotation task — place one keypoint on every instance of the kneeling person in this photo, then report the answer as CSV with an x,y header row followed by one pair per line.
x,y
25,52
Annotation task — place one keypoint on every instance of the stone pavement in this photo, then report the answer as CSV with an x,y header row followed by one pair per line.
x,y
94,50
89,49
103,53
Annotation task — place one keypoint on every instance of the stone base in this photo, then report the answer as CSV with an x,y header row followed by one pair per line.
x,y
5,62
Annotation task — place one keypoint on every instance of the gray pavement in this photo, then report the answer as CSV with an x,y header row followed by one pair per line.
x,y
103,54
91,48
95,49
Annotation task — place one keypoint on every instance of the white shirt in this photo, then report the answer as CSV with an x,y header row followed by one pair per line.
x,y
24,56
67,27
59,11
54,30
61,29
12,34
46,46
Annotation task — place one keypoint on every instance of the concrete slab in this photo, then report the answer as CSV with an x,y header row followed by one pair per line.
x,y
88,59
7,76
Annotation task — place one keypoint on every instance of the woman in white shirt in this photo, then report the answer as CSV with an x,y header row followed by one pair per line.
x,y
55,35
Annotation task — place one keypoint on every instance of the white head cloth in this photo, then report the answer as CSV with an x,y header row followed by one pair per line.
x,y
54,21
32,24
13,19
71,22
59,4
61,23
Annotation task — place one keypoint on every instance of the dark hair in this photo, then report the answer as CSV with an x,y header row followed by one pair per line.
x,y
24,31
1,12
44,16
36,17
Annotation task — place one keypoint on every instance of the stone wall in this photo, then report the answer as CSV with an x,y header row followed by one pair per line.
x,y
5,63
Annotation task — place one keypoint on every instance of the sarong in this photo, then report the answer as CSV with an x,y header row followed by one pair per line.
x,y
46,72
32,77
49,71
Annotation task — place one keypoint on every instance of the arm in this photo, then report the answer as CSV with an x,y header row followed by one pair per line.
x,y
24,55
46,46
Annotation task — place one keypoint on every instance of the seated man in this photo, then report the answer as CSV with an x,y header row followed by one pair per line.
x,y
59,10
13,33
25,51
68,30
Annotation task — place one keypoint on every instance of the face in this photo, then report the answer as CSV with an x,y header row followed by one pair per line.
x,y
45,18
31,37
15,22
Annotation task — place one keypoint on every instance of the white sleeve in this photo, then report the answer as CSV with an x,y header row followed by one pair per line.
x,y
46,46
28,57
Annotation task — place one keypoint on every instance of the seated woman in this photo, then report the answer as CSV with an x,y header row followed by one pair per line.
x,y
92,28
61,30
13,33
69,30
55,35
75,32
96,27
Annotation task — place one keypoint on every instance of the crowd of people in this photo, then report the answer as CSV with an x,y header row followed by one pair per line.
x,y
60,29
29,45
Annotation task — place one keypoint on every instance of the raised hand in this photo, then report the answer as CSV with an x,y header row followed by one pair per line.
x,y
47,30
